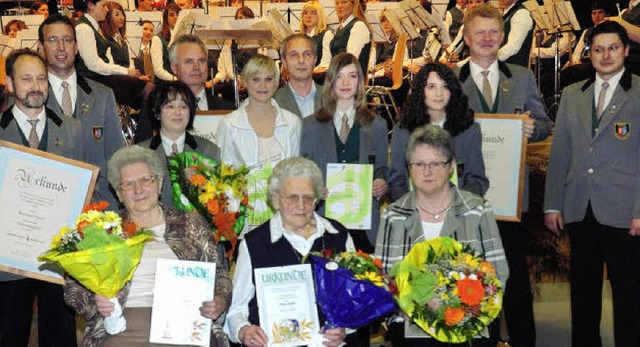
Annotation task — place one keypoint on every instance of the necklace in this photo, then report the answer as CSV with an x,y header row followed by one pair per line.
x,y
435,215
156,223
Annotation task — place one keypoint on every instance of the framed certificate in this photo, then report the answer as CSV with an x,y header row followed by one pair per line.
x,y
350,194
205,124
504,152
287,305
39,193
180,289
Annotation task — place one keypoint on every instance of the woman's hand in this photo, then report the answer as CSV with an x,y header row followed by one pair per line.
x,y
334,337
379,188
252,335
212,309
105,307
133,72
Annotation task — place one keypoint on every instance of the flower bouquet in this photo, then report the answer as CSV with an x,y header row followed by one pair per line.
x,y
447,291
215,190
101,253
351,289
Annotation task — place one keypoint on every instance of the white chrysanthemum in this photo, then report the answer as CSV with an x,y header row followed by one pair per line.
x,y
473,277
462,275
233,201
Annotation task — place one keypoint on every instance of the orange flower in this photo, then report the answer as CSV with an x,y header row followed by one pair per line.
x,y
453,316
470,291
487,268
198,180
129,229
213,207
378,263
98,206
82,224
225,221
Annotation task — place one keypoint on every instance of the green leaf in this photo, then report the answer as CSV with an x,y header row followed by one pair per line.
x,y
95,236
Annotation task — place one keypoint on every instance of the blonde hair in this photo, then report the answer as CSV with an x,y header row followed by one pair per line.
x,y
482,11
260,64
322,20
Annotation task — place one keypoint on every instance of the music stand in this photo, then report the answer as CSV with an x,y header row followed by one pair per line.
x,y
291,12
134,19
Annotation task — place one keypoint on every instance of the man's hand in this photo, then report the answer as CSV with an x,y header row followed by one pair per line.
x,y
554,222
528,125
635,227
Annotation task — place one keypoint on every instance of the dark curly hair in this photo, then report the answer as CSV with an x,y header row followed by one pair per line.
x,y
458,115
163,94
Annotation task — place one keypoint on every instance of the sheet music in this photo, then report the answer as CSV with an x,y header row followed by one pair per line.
x,y
135,19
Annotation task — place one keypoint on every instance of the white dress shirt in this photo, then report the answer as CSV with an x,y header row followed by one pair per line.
x,y
493,76
203,104
337,118
167,143
23,122
87,50
306,104
358,37
244,289
157,60
577,52
521,24
613,83
56,86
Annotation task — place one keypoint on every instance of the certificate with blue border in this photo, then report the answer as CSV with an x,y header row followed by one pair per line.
x,y
504,152
39,193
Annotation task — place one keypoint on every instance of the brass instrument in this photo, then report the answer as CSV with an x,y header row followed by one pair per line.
x,y
127,124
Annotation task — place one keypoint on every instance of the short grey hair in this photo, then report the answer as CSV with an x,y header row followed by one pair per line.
x,y
295,167
433,136
260,64
184,39
133,155
297,36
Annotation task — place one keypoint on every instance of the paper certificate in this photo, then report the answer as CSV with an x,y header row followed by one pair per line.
x,y
39,193
205,124
287,305
504,151
350,194
180,289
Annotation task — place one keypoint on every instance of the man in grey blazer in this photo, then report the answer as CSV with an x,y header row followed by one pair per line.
x,y
496,87
92,103
302,96
29,123
592,189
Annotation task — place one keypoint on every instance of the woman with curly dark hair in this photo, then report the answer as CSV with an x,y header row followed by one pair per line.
x,y
436,98
344,130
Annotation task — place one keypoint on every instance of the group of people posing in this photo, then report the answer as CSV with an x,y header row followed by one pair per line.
x,y
303,126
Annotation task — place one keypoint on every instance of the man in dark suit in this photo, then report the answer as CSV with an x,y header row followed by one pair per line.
x,y
29,123
188,56
302,96
92,103
496,87
592,189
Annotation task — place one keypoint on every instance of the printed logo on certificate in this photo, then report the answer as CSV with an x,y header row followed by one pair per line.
x,y
180,289
287,305
350,194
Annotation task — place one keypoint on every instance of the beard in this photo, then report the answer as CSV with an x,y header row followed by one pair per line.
x,y
32,100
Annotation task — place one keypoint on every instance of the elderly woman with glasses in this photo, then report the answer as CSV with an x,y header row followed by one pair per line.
x,y
137,173
286,239
436,208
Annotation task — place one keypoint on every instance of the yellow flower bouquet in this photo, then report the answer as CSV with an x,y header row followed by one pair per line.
x,y
100,252
448,291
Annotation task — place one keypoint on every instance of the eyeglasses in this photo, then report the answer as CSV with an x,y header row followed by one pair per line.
x,y
54,40
440,165
144,182
307,200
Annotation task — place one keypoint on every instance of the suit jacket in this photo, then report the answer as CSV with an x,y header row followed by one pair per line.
x,y
604,169
63,133
318,144
286,100
191,143
144,131
517,90
101,132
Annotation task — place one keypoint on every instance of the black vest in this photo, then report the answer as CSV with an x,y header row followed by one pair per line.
x,y
340,40
456,16
317,39
166,64
266,254
101,46
119,53
522,57
384,51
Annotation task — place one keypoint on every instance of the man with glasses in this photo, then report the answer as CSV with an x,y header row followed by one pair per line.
x,y
92,103
592,189
301,95
29,123
500,88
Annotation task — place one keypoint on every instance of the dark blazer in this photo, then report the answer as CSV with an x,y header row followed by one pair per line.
x,y
191,143
286,100
63,133
517,90
604,169
218,103
101,132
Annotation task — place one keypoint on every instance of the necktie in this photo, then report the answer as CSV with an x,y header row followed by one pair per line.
x,y
344,130
174,148
66,106
486,89
34,140
600,105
